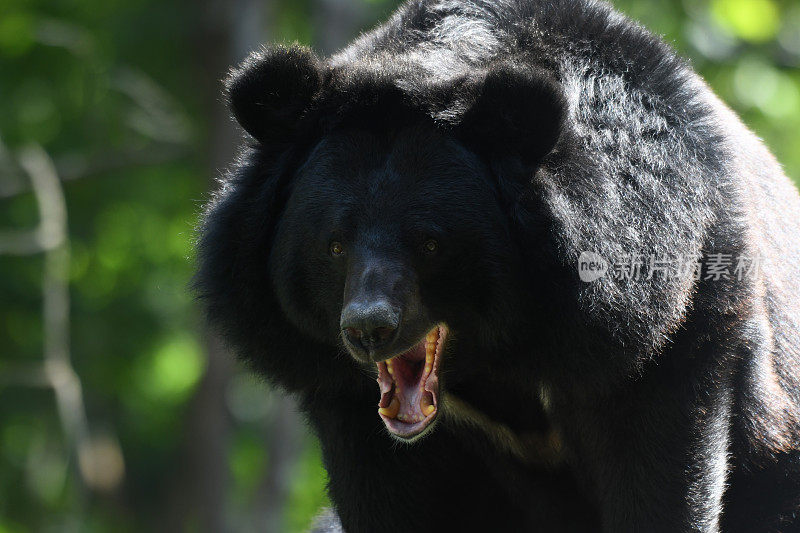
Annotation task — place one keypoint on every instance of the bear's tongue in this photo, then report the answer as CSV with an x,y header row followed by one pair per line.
x,y
409,385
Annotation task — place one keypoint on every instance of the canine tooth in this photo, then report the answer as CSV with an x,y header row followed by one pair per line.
x,y
433,335
392,410
425,405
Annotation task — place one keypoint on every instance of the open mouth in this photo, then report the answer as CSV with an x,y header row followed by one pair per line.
x,y
409,385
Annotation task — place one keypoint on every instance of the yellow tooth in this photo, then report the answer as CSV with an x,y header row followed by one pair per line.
x,y
400,416
433,335
389,366
425,406
392,410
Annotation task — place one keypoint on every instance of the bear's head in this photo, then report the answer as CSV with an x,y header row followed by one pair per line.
x,y
371,213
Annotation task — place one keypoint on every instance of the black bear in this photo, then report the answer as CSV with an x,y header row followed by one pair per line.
x,y
546,239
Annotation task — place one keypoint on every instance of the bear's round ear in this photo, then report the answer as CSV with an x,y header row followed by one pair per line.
x,y
271,89
511,111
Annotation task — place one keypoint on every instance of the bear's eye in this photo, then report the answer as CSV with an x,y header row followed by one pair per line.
x,y
430,246
337,248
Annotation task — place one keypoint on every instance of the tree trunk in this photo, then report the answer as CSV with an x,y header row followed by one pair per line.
x,y
199,494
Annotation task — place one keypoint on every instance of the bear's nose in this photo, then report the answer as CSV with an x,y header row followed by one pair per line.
x,y
369,325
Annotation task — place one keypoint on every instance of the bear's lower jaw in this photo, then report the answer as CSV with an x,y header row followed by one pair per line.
x,y
409,386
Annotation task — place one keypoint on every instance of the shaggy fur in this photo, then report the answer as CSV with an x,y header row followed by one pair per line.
x,y
520,133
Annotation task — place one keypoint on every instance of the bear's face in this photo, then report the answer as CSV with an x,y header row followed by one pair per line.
x,y
392,244
372,214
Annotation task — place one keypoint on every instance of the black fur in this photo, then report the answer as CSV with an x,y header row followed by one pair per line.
x,y
270,91
520,133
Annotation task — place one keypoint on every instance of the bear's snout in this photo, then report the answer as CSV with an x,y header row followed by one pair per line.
x,y
381,308
369,324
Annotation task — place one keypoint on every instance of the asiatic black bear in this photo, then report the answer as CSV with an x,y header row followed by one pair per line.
x,y
523,218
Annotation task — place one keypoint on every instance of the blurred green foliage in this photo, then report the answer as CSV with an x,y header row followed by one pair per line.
x,y
110,89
